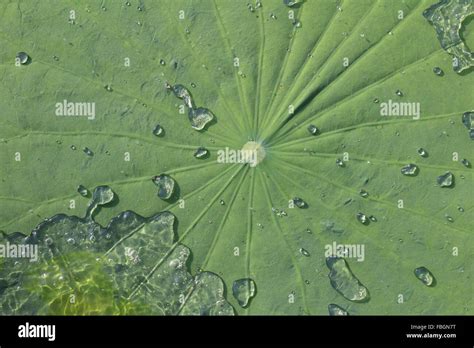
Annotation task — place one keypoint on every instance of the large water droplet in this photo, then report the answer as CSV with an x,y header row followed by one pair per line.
x,y
409,170
200,117
335,310
22,57
201,152
445,180
182,92
468,121
243,290
426,277
101,196
344,281
165,185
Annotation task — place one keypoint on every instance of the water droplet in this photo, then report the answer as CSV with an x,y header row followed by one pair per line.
x,y
312,129
297,23
258,4
422,152
466,163
201,152
409,170
335,310
449,218
56,58
251,8
243,290
221,202
108,88
88,151
139,8
306,282
339,162
423,274
158,130
104,8
128,3
82,191
373,218
102,195
272,16
438,71
299,202
445,180
290,3
362,218
165,185
399,93
48,241
71,241
363,193
200,117
304,252
182,93
461,209
376,100
162,62
73,147
22,57
344,281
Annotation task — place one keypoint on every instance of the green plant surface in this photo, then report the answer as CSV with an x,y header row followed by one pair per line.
x,y
222,207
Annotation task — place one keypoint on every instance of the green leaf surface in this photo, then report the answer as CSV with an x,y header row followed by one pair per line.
x,y
221,207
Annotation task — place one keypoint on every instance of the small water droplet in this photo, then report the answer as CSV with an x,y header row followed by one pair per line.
x,y
373,218
376,100
299,202
466,163
139,8
128,3
221,202
363,193
461,209
193,85
56,58
158,130
422,152
272,16
250,7
165,186
399,93
362,218
82,191
339,162
344,281
410,170
200,117
438,71
258,4
108,88
201,152
48,241
449,218
71,241
104,8
297,23
243,291
304,252
335,310
445,180
313,130
426,277
88,151
22,57
73,147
